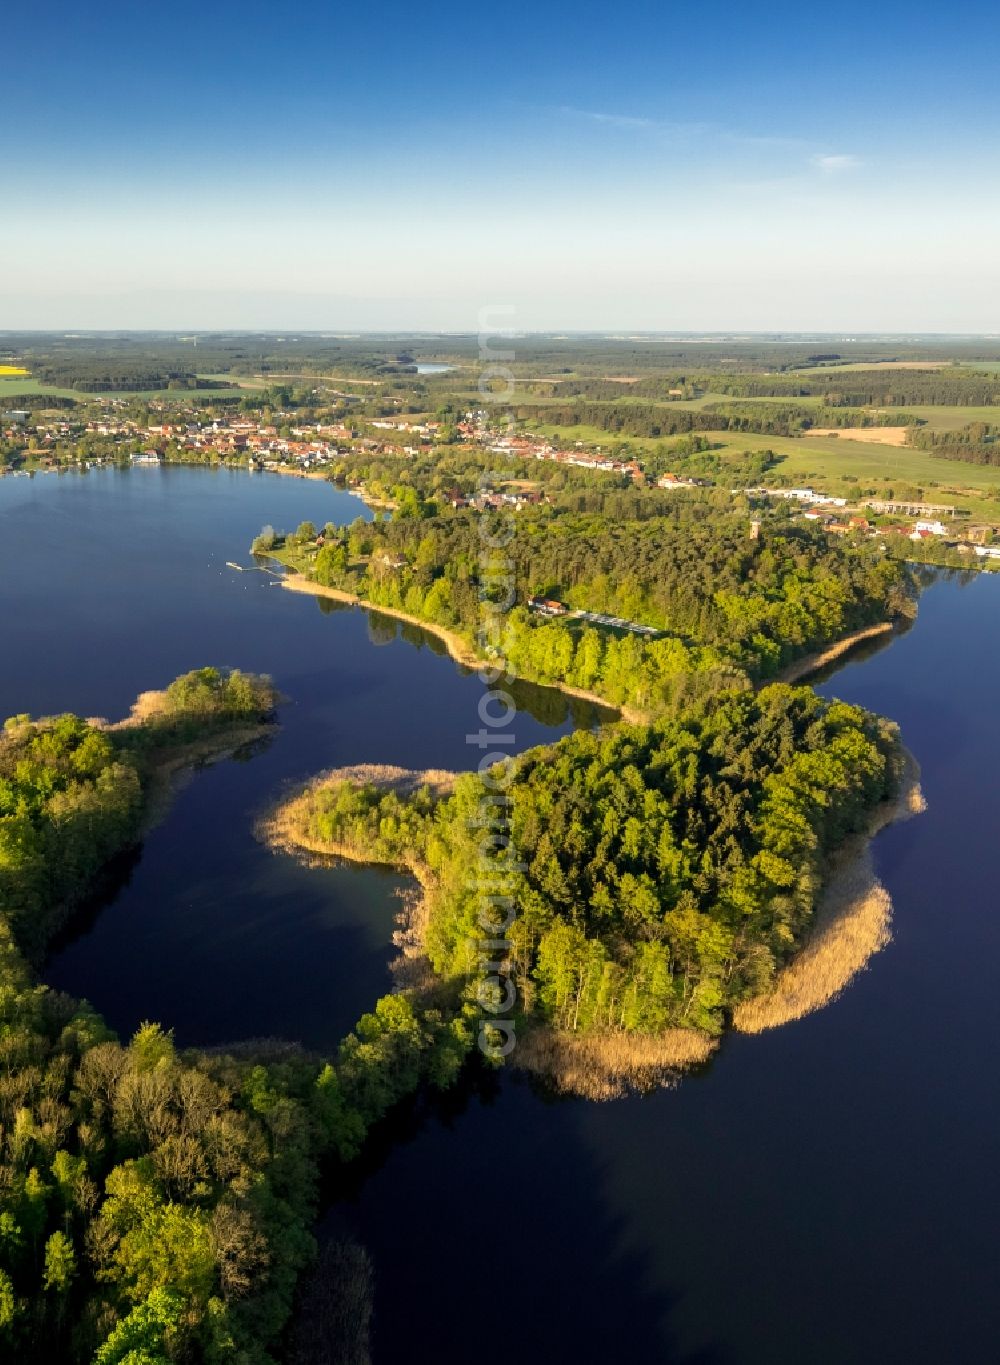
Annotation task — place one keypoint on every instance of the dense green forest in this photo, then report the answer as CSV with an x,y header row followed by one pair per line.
x,y
34,402
950,386
651,420
668,871
654,420
155,1204
780,419
727,606
974,444
71,794
92,375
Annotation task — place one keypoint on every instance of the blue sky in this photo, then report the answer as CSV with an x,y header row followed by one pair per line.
x,y
595,166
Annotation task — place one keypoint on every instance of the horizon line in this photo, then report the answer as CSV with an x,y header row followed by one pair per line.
x,y
609,333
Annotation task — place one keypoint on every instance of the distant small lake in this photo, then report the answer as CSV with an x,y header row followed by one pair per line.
x,y
429,368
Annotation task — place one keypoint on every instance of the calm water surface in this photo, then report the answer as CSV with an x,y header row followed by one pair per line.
x,y
116,581
825,1193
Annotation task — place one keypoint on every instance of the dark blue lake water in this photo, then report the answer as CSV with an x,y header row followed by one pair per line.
x,y
116,581
825,1194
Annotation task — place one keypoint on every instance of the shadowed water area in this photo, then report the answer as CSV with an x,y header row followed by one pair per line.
x,y
116,581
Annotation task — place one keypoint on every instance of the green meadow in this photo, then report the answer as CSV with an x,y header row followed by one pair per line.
x,y
943,418
11,386
594,436
839,466
842,467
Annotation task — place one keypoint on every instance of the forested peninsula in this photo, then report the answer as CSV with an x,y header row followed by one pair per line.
x,y
672,864
664,874
725,604
155,1203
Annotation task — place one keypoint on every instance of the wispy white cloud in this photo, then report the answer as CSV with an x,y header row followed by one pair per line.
x,y
713,132
612,120
631,121
797,150
835,163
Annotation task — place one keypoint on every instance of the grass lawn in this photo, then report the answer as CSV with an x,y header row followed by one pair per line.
x,y
594,436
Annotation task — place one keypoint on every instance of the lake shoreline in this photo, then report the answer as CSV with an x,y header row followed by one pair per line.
x,y
599,1066
290,471
172,767
162,772
462,653
458,648
281,827
851,922
609,1066
812,663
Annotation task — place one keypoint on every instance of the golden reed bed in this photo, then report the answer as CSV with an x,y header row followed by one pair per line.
x,y
853,922
605,1066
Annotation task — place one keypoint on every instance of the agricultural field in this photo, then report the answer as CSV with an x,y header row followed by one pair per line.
x,y
323,383
832,464
835,465
870,436
238,381
7,370
946,418
13,387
